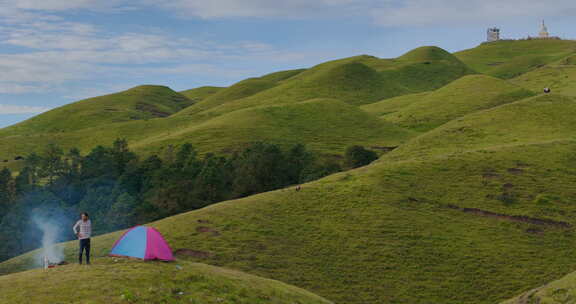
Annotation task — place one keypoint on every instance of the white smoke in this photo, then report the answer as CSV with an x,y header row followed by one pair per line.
x,y
50,236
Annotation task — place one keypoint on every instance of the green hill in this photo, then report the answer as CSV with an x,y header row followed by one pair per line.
x,y
559,76
241,90
466,95
326,125
474,208
508,59
538,119
392,105
198,94
139,103
361,80
138,282
423,224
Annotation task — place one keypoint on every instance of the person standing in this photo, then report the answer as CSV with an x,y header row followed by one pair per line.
x,y
83,230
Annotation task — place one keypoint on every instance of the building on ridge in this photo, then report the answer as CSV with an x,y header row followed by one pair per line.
x,y
493,34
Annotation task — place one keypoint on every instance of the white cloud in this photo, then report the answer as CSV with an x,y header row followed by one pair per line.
x,y
14,109
264,8
469,12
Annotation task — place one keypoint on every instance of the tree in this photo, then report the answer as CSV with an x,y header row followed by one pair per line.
x,y
121,155
52,164
122,212
7,190
358,156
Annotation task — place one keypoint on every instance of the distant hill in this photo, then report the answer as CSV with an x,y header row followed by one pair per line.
x,y
466,95
474,206
509,59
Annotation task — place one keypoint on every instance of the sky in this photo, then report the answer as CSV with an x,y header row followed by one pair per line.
x,y
54,52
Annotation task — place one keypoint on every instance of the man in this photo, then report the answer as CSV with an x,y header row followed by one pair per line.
x,y
83,230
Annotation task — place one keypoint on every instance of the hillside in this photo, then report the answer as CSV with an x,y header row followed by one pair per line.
x,y
475,206
361,80
543,118
150,115
559,76
198,94
466,95
506,219
139,103
138,282
326,125
508,59
242,89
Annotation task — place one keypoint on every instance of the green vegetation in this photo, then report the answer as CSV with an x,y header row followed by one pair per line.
x,y
557,76
508,59
542,118
198,94
474,206
121,189
151,282
392,105
139,103
466,95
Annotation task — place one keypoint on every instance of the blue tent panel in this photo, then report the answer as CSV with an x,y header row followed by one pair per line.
x,y
133,244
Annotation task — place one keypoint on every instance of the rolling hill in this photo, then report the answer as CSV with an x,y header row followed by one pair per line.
x,y
475,206
466,95
151,115
508,59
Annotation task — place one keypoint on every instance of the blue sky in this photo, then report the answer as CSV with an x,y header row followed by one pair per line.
x,y
53,52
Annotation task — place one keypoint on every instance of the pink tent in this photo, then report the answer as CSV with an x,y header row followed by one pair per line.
x,y
143,243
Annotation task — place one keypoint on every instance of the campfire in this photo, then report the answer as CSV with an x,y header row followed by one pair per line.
x,y
48,264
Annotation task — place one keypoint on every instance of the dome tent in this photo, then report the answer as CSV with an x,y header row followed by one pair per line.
x,y
143,243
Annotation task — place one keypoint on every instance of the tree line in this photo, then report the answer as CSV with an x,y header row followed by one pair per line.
x,y
120,188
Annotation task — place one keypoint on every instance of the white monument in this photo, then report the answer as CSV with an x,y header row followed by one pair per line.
x,y
544,31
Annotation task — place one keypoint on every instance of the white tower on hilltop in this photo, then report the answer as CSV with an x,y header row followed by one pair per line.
x,y
493,34
544,31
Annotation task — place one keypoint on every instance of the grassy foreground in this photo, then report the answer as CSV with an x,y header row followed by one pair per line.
x,y
147,282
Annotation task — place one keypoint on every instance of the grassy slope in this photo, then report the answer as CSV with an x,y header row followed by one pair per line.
x,y
327,125
537,119
150,282
201,93
559,76
463,96
392,105
355,80
361,80
139,103
390,233
508,59
242,89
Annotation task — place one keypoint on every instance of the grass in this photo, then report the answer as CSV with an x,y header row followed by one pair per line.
x,y
509,59
400,230
558,76
242,89
326,125
385,233
139,103
466,95
147,282
538,119
201,93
